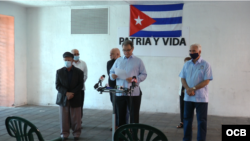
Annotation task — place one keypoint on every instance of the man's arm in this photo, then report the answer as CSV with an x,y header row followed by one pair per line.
x,y
184,83
60,88
142,73
189,91
202,84
108,68
80,85
207,77
85,71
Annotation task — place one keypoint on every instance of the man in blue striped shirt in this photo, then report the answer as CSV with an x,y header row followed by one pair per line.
x,y
133,67
195,76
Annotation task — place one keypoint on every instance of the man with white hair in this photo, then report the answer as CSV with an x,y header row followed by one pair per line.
x,y
114,54
82,66
195,76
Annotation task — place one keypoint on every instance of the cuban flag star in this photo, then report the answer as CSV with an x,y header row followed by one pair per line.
x,y
156,20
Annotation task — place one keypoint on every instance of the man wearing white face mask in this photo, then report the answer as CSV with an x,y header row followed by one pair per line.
x,y
69,84
82,66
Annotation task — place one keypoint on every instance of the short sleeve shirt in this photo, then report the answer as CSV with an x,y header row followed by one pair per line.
x,y
195,74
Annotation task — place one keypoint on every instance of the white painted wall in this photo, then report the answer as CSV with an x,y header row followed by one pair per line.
x,y
222,28
19,13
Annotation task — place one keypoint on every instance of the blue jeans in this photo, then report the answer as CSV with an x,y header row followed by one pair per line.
x,y
201,113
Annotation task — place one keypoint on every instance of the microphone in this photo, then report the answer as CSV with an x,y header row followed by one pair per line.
x,y
134,81
101,89
100,81
101,78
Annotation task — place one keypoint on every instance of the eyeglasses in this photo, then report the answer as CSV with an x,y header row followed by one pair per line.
x,y
127,50
76,54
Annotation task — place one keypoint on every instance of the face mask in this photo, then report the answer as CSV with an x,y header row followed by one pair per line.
x,y
67,64
194,55
76,58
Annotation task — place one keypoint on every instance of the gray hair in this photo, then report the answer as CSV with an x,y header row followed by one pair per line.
x,y
128,42
197,45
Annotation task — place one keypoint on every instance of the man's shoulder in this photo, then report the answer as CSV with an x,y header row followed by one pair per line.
x,y
188,63
77,69
81,61
61,69
109,61
136,58
204,62
119,59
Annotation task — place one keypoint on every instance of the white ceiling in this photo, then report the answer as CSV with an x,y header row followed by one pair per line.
x,y
46,3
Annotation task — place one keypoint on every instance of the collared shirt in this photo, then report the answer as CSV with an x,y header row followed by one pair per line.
x,y
82,66
134,67
195,74
69,74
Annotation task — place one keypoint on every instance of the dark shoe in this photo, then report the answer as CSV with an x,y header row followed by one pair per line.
x,y
180,125
76,138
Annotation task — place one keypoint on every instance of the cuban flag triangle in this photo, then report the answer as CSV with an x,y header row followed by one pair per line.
x,y
156,20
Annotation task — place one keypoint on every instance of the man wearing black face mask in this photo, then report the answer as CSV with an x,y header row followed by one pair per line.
x,y
195,76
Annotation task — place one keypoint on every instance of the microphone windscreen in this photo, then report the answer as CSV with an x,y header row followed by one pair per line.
x,y
102,78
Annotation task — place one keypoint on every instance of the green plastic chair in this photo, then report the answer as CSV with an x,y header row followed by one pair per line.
x,y
125,133
22,129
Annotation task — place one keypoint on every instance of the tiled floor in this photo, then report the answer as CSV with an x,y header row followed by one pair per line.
x,y
96,123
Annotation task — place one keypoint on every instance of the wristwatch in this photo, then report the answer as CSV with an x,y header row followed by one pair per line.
x,y
194,88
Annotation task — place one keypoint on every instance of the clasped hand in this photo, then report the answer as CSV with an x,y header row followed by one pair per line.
x,y
190,92
69,95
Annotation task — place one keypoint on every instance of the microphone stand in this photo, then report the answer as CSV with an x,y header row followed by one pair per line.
x,y
113,92
133,132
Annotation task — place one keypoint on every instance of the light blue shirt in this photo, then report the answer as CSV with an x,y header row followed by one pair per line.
x,y
195,74
133,67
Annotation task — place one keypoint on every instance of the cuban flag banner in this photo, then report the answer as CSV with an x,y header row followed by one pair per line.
x,y
156,30
156,20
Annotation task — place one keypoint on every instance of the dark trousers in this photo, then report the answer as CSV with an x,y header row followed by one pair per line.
x,y
83,95
201,114
116,115
122,102
182,106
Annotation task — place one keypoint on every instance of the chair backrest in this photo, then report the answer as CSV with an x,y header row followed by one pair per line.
x,y
130,132
22,129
